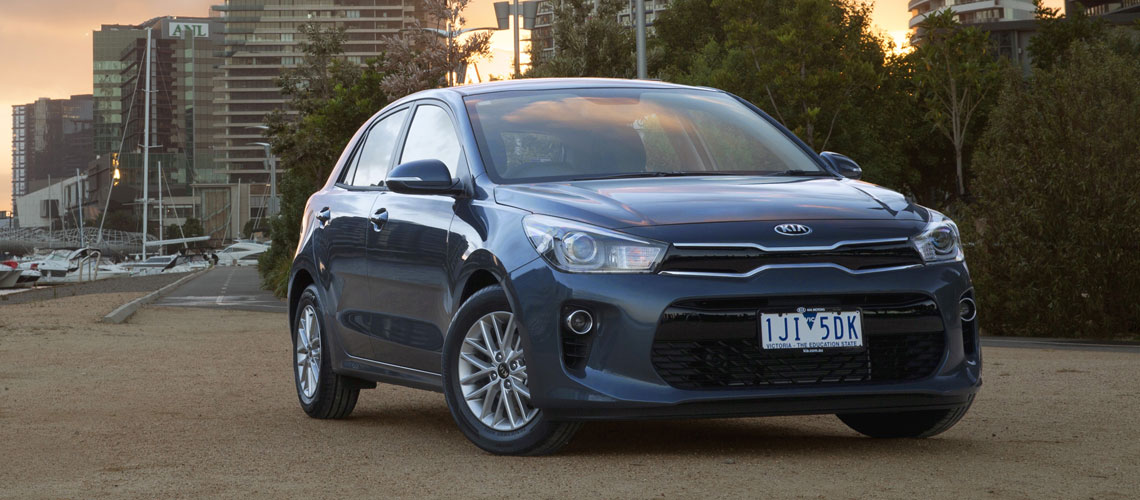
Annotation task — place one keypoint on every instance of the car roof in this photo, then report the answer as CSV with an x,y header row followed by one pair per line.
x,y
554,84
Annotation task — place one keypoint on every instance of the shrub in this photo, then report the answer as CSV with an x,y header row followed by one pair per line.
x,y
1053,230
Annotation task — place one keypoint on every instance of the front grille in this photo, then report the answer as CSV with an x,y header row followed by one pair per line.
x,y
743,260
903,336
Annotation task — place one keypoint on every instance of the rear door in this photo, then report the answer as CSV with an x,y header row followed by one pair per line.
x,y
347,207
407,250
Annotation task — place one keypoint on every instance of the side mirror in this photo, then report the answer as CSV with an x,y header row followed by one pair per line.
x,y
422,177
842,165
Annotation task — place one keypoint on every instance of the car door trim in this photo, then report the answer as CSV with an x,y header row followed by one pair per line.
x,y
392,365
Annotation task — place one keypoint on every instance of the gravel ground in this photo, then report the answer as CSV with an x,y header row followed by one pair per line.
x,y
199,403
113,285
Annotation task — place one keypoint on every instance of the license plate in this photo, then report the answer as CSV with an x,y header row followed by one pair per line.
x,y
811,330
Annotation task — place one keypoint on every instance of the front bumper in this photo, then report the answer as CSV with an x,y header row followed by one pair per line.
x,y
617,377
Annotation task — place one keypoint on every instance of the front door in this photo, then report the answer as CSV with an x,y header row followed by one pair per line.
x,y
407,252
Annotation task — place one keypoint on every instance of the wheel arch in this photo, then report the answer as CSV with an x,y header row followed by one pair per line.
x,y
300,280
477,280
480,270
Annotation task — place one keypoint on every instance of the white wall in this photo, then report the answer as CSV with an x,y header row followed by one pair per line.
x,y
31,207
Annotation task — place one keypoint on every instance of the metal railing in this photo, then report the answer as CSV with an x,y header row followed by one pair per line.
x,y
22,240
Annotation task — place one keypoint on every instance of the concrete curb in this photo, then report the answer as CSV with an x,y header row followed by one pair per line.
x,y
125,311
10,292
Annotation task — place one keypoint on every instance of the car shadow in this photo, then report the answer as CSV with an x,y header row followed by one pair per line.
x,y
741,437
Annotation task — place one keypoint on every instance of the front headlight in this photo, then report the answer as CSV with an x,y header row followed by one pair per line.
x,y
581,248
939,240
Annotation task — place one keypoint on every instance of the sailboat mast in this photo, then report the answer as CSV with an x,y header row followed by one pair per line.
x,y
146,145
160,218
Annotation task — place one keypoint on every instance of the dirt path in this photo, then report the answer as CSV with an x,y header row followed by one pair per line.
x,y
193,403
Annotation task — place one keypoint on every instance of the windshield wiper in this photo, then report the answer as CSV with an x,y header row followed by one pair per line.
x,y
798,173
632,175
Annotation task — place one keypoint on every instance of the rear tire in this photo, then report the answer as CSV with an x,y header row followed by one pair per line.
x,y
905,424
322,393
527,431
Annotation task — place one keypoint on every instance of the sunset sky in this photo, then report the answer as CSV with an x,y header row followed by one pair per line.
x,y
45,48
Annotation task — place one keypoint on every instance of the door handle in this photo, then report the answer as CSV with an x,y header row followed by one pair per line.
x,y
378,219
324,216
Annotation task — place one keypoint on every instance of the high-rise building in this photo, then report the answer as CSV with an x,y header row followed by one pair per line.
x,y
19,151
183,65
628,14
108,44
262,37
542,36
183,115
184,112
1110,8
1011,38
50,138
969,11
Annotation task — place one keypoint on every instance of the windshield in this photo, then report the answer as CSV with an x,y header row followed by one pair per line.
x,y
579,134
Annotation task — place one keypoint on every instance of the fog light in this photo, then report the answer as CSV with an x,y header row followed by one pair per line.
x,y
967,309
580,321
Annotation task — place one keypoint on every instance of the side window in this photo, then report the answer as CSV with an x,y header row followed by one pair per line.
x,y
432,136
371,164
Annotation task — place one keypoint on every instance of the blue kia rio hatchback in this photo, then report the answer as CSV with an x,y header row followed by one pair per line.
x,y
549,252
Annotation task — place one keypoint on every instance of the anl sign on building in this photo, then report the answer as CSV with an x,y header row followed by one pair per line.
x,y
181,30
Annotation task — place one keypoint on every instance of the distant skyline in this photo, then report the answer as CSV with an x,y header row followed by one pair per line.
x,y
45,48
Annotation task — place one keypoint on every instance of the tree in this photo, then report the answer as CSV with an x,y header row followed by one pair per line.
x,y
953,73
192,228
588,41
1056,180
416,60
815,65
1057,32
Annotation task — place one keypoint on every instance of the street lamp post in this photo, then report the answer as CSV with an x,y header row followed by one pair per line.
x,y
272,163
115,176
516,30
527,10
641,71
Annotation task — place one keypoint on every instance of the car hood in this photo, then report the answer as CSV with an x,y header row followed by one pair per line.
x,y
622,203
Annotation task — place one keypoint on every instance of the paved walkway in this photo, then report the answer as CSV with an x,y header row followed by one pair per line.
x,y
225,287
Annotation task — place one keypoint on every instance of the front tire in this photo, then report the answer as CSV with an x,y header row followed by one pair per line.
x,y
485,381
322,392
905,424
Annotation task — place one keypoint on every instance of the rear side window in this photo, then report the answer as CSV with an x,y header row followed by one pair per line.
x,y
370,166
432,137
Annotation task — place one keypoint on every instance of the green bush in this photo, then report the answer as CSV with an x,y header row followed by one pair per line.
x,y
1052,233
